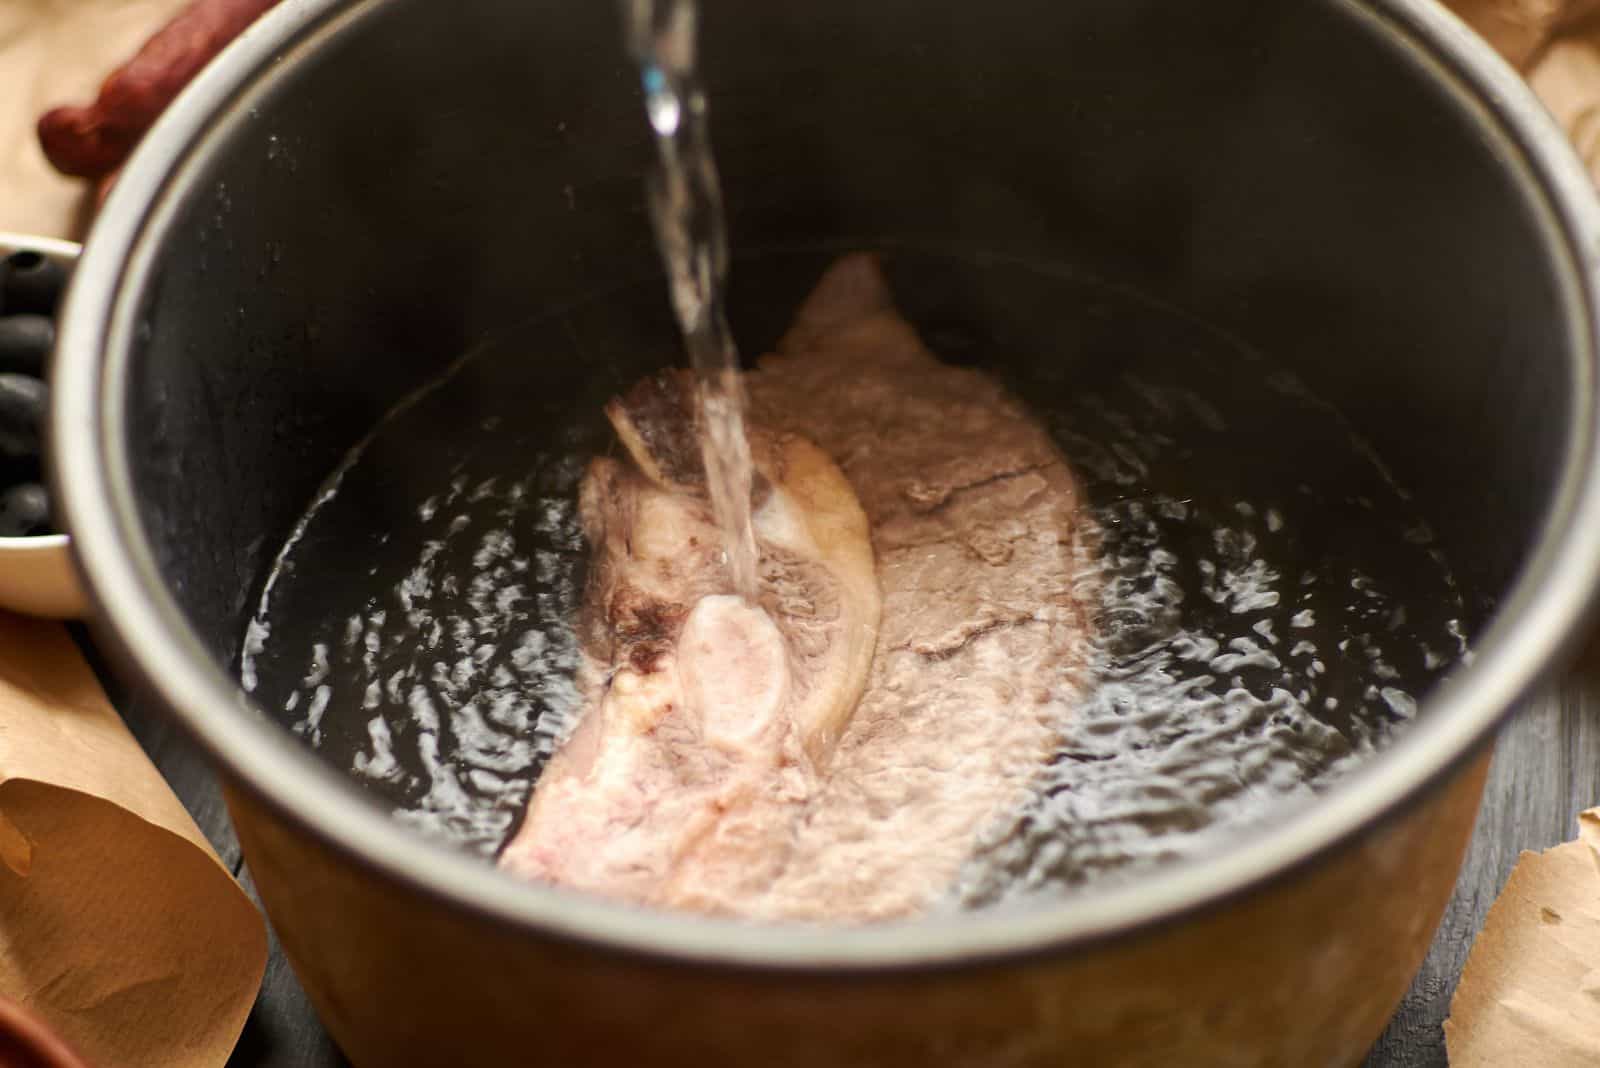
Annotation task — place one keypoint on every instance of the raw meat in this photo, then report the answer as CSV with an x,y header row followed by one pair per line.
x,y
983,557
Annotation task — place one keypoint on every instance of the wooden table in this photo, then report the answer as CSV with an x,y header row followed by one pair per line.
x,y
1546,769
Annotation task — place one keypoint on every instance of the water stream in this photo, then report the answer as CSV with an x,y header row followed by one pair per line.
x,y
691,230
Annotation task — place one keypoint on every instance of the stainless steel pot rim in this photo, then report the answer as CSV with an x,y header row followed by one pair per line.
x,y
54,246
1532,630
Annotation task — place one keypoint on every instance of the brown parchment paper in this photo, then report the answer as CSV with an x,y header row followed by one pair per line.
x,y
57,52
1530,993
118,924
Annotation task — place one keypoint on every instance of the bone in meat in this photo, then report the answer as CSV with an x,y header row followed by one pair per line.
x,y
702,709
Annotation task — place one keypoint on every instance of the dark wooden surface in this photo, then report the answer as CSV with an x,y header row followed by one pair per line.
x,y
1546,769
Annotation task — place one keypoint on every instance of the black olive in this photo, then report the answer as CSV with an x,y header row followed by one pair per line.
x,y
22,404
24,511
25,342
14,469
31,282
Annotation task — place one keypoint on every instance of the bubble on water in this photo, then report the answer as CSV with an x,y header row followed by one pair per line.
x,y
378,761
255,640
1402,704
311,726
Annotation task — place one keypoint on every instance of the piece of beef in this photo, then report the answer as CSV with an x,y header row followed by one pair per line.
x,y
983,555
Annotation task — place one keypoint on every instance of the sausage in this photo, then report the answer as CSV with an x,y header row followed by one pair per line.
x,y
93,141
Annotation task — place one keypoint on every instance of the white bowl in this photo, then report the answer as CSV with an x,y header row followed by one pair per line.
x,y
37,577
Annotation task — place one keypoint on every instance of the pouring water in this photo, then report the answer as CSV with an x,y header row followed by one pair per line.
x,y
691,231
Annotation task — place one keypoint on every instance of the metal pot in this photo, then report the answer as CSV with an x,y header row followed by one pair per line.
x,y
358,190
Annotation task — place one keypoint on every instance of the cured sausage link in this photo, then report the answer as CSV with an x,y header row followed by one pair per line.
x,y
92,141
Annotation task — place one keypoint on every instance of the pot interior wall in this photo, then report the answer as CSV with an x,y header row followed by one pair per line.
x,y
435,173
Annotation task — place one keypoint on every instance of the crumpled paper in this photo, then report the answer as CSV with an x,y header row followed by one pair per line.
x,y
119,926
57,52
1530,993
